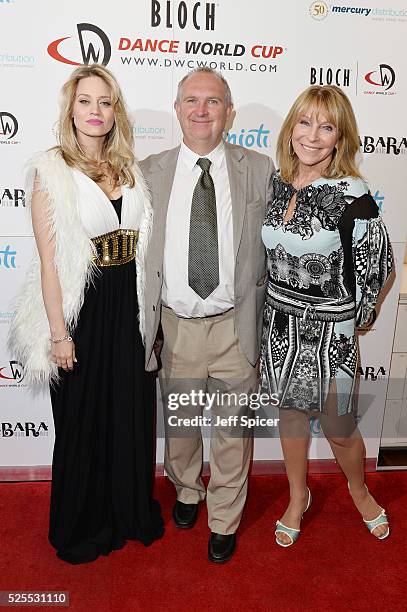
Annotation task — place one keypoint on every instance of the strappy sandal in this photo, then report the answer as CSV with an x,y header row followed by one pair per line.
x,y
289,531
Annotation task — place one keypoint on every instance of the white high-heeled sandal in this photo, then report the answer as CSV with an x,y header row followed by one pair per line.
x,y
290,531
381,519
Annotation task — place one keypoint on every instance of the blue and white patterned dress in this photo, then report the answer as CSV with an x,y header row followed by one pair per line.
x,y
326,268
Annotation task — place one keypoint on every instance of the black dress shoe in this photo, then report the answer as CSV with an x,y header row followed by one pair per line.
x,y
184,515
221,547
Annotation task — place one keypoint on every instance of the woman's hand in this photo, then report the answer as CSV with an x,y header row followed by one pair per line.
x,y
63,354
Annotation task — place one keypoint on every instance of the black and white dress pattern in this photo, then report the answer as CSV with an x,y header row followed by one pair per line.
x,y
326,268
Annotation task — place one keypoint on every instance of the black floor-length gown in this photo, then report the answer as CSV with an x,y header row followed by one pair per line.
x,y
102,475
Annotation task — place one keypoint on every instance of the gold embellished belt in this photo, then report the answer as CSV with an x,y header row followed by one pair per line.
x,y
115,248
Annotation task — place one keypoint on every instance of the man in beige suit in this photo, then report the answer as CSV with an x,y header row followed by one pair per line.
x,y
205,278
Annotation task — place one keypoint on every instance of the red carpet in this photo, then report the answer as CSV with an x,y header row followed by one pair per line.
x,y
336,565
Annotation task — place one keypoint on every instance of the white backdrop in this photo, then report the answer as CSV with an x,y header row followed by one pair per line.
x,y
269,52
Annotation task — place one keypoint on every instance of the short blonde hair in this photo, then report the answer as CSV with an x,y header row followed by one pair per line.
x,y
335,105
118,144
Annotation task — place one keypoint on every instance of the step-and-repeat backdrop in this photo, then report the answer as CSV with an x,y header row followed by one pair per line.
x,y
269,52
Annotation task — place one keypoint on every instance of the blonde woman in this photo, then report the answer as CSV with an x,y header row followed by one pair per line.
x,y
328,258
80,322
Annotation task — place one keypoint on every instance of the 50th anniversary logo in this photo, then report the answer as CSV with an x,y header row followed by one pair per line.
x,y
92,44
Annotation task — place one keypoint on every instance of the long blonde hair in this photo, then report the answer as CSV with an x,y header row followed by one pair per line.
x,y
335,105
118,144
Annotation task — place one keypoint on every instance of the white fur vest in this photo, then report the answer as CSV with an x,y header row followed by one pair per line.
x,y
29,332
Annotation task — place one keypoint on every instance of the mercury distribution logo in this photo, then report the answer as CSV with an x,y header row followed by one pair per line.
x,y
94,45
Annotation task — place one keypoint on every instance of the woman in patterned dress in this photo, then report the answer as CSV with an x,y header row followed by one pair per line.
x,y
328,256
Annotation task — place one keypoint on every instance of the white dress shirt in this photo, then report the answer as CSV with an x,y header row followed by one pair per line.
x,y
177,294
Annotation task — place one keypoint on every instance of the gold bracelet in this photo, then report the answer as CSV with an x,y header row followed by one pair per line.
x,y
56,340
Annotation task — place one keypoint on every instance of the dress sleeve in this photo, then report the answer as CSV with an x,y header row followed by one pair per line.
x,y
373,263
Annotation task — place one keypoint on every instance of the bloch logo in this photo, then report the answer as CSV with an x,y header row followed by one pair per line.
x,y
7,258
14,372
94,45
201,15
23,430
12,197
330,76
255,137
8,128
382,80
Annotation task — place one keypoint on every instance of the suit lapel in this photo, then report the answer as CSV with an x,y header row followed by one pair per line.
x,y
161,184
237,171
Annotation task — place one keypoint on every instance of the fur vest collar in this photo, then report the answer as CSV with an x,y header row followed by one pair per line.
x,y
29,331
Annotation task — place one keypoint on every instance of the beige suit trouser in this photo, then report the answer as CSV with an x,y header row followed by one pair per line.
x,y
204,354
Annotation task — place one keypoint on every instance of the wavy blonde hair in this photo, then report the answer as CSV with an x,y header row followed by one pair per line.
x,y
335,105
118,144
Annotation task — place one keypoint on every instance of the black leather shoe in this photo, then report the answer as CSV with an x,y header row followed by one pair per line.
x,y
221,547
184,515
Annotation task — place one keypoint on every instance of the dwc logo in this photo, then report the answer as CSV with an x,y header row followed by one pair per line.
x,y
23,430
13,372
8,126
385,77
382,80
94,44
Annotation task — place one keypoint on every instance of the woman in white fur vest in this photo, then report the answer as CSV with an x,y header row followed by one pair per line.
x,y
79,322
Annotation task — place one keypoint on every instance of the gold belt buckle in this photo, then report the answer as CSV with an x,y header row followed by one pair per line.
x,y
115,248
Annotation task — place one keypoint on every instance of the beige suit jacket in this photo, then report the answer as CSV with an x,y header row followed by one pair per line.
x,y
249,176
